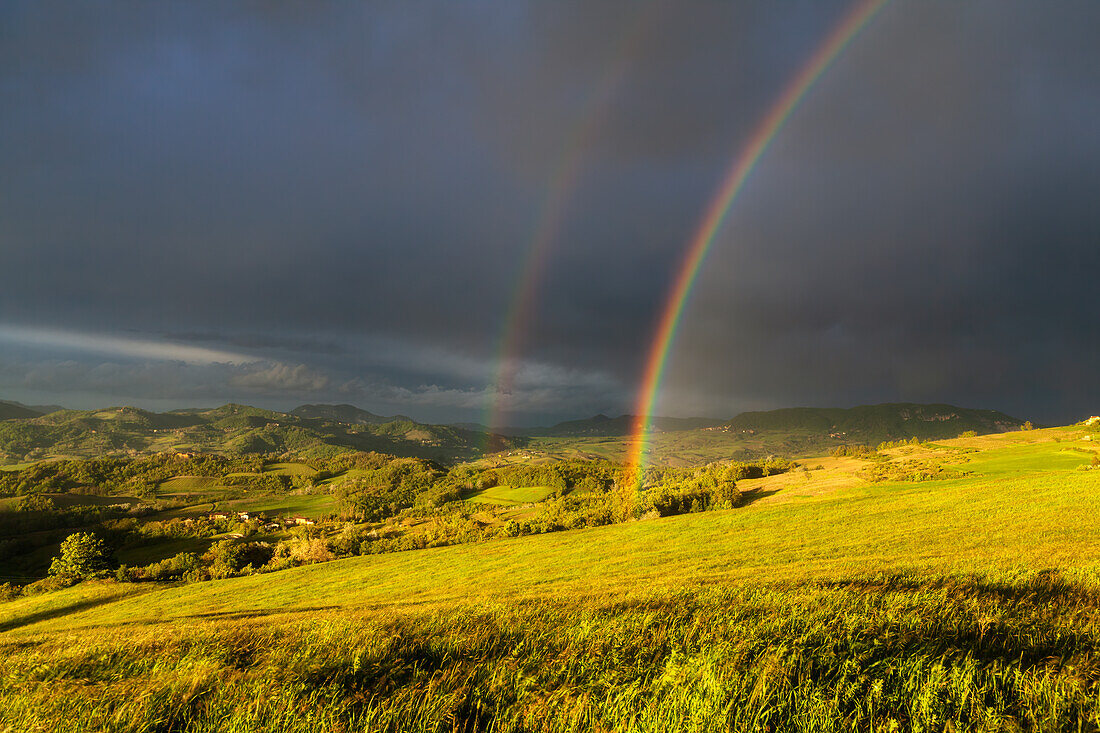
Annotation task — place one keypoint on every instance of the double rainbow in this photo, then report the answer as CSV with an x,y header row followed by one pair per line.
x,y
715,216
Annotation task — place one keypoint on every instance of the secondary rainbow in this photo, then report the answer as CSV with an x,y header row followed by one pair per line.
x,y
715,215
563,181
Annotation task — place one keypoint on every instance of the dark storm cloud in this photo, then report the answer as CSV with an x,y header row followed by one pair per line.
x,y
346,193
925,227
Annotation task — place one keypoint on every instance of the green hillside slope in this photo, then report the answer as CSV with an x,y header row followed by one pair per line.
x,y
227,429
346,413
15,410
966,602
878,423
604,426
751,435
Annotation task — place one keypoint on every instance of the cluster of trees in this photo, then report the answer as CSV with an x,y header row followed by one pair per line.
x,y
376,494
382,504
857,451
129,476
900,443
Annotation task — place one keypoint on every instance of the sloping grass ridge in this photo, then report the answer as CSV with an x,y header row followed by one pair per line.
x,y
880,652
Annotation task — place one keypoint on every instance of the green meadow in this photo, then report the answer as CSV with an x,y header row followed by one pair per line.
x,y
289,469
512,495
310,505
191,485
828,603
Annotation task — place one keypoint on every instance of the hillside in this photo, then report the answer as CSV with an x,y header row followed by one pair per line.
x,y
786,432
867,423
16,410
227,429
349,414
877,423
623,425
969,600
599,426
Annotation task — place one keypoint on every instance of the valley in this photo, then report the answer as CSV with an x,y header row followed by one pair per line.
x,y
903,555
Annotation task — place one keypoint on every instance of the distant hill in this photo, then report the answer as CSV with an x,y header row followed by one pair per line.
x,y
347,414
869,423
229,429
324,429
877,423
17,410
602,426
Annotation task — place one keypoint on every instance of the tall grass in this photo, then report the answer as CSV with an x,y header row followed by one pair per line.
x,y
880,652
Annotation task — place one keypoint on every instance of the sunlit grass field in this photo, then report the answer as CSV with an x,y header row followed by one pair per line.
x,y
971,603
512,495
191,485
310,505
289,469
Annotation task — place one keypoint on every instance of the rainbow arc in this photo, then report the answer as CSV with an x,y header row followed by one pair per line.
x,y
715,215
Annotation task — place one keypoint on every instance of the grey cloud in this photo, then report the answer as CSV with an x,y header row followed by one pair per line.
x,y
280,378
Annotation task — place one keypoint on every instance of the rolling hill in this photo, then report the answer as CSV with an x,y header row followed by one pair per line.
x,y
599,426
604,426
16,410
227,429
967,602
349,414
323,429
785,432
878,423
870,423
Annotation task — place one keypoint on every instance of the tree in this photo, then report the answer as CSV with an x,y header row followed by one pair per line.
x,y
36,503
83,555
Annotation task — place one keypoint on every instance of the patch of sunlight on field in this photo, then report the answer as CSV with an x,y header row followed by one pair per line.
x,y
511,495
1037,457
290,469
190,485
308,505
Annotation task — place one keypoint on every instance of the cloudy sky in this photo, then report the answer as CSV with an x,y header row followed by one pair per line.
x,y
371,202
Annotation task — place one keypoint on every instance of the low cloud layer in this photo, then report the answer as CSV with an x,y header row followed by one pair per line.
x,y
202,202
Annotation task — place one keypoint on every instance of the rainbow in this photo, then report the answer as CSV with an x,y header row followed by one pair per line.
x,y
563,181
856,19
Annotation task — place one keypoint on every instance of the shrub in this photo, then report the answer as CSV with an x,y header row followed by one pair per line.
x,y
50,584
172,568
856,451
302,551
